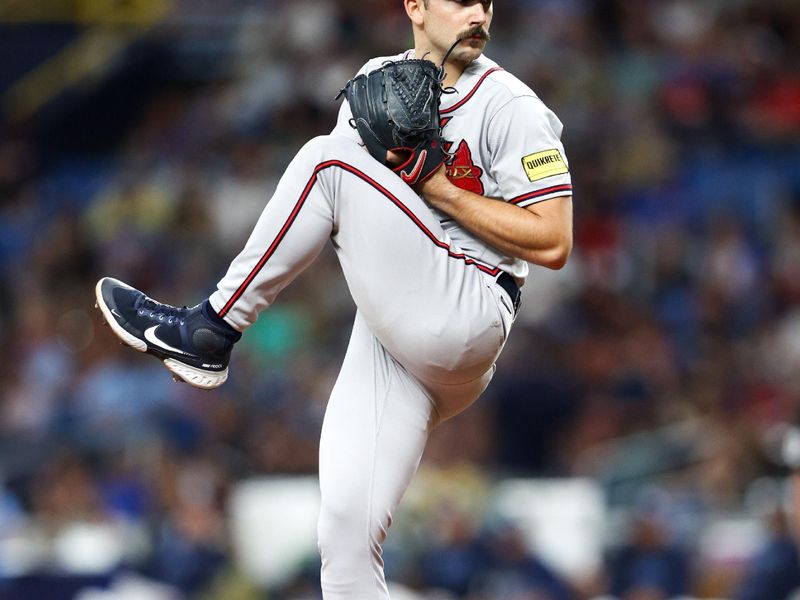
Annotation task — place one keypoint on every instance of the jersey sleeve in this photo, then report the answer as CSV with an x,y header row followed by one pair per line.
x,y
528,159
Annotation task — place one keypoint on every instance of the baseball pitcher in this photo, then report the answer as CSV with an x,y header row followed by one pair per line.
x,y
443,178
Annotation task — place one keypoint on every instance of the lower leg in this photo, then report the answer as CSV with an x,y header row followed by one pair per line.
x,y
375,429
291,231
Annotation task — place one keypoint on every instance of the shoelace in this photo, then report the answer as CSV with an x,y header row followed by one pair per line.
x,y
161,312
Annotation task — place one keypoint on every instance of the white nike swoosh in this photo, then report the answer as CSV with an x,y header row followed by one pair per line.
x,y
150,336
115,313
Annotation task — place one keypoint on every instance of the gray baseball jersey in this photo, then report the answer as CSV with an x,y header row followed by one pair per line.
x,y
506,145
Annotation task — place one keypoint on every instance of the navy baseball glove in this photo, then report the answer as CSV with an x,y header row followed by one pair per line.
x,y
396,107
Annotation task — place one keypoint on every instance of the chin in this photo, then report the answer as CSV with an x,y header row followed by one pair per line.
x,y
468,54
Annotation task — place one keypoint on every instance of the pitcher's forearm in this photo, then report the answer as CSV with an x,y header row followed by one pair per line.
x,y
540,234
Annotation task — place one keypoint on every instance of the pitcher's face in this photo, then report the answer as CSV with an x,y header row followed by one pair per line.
x,y
441,22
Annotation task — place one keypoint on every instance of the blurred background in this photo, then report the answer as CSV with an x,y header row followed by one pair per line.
x,y
637,441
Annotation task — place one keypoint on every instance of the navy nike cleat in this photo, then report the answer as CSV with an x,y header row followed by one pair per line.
x,y
192,346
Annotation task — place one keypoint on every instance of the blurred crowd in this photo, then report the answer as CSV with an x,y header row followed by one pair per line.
x,y
661,363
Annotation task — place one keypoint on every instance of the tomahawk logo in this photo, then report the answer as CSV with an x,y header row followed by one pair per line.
x,y
462,170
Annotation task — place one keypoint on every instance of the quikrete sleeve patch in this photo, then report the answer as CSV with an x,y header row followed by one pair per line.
x,y
544,164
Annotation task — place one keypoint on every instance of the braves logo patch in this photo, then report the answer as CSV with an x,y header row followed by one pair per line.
x,y
463,172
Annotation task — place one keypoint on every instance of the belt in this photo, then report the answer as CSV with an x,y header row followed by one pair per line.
x,y
511,288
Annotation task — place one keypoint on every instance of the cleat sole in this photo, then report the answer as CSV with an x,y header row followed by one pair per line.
x,y
102,316
205,380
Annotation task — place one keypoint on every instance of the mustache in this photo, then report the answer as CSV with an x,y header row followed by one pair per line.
x,y
476,31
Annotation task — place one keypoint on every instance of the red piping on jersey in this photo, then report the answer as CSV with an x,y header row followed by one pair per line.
x,y
464,100
566,187
296,210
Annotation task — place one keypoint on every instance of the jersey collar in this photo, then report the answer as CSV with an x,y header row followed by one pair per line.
x,y
472,77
